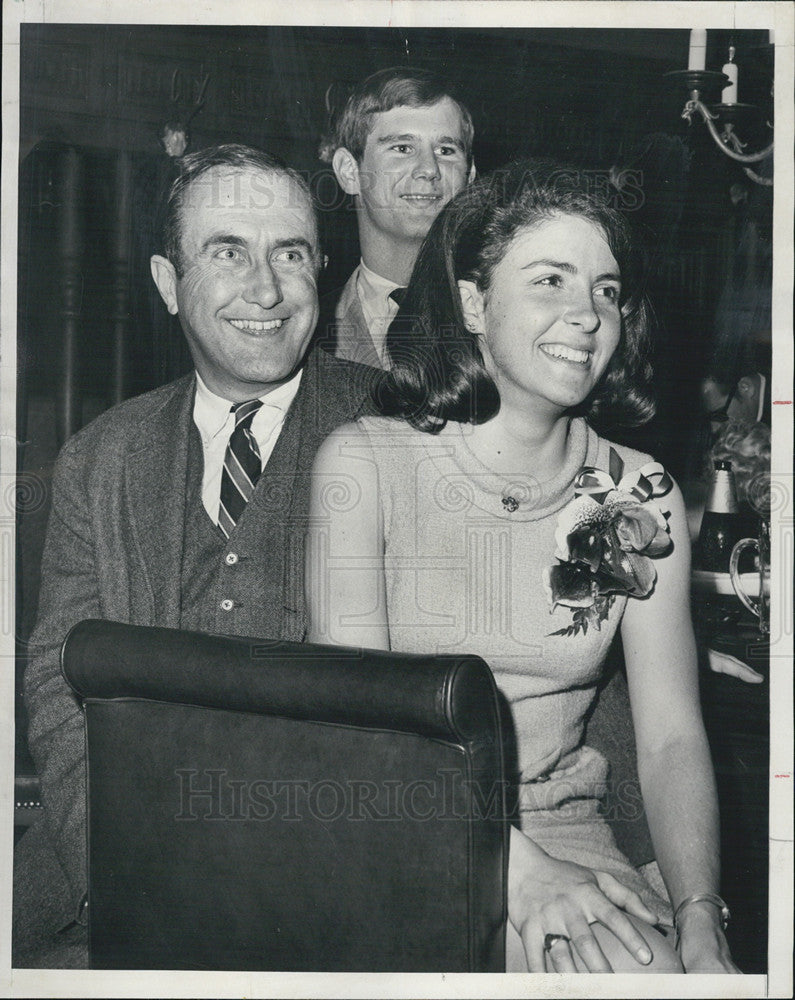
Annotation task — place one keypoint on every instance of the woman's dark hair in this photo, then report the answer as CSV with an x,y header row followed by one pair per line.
x,y
438,372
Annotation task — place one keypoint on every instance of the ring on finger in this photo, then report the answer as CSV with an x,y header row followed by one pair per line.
x,y
550,939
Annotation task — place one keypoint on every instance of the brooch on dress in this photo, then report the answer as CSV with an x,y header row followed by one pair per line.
x,y
604,540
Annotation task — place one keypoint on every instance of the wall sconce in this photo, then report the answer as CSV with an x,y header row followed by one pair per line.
x,y
728,113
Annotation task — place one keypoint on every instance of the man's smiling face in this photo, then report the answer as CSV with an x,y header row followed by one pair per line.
x,y
247,294
414,161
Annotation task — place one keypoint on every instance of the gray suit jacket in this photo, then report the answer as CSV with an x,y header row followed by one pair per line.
x,y
342,329
113,551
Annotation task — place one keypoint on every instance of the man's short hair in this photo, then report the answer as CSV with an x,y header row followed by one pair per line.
x,y
234,156
398,86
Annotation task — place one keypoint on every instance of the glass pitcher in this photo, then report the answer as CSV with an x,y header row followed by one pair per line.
x,y
761,606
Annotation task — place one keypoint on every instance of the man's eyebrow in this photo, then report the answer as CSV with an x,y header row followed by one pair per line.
x,y
223,239
447,140
227,239
295,241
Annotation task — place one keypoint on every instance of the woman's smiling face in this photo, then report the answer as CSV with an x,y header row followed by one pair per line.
x,y
550,320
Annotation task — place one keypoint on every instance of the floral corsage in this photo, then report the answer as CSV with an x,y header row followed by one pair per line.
x,y
604,539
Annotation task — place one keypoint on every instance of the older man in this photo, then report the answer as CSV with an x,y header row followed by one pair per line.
x,y
183,507
401,148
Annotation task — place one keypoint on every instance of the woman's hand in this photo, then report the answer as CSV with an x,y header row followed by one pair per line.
x,y
548,896
702,943
722,663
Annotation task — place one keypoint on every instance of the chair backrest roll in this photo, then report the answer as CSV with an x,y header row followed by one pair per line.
x,y
282,806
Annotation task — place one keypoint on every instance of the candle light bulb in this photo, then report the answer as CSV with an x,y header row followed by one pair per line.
x,y
729,95
697,54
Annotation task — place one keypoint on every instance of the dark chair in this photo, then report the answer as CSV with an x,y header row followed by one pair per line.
x,y
279,806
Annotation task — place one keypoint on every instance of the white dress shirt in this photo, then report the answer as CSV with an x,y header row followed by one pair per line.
x,y
379,310
215,421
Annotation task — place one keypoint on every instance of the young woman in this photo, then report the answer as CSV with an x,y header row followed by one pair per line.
x,y
482,513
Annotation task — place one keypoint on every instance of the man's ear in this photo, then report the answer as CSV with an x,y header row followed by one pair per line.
x,y
165,277
472,304
472,173
346,170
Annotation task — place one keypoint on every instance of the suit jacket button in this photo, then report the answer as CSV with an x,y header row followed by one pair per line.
x,y
226,604
231,558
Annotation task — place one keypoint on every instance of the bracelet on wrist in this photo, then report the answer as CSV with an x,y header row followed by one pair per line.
x,y
702,897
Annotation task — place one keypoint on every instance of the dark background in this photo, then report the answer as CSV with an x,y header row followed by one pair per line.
x,y
94,99
595,98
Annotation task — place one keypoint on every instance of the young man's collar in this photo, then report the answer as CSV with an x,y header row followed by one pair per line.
x,y
376,283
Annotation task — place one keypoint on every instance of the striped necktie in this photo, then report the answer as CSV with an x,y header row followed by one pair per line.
x,y
242,467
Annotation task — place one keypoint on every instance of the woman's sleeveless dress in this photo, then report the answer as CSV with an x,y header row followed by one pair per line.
x,y
464,574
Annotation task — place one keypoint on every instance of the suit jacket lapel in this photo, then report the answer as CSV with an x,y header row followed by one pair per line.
x,y
156,482
275,492
328,396
354,342
278,494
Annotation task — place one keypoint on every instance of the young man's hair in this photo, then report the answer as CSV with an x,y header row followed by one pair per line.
x,y
233,156
398,86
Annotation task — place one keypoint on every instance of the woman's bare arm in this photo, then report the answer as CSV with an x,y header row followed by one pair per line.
x,y
344,579
674,760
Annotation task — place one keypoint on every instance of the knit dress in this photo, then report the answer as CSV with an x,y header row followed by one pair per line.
x,y
464,556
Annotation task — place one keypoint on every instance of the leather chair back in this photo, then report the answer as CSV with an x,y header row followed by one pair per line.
x,y
281,806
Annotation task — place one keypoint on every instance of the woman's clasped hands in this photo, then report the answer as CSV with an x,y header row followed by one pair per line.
x,y
556,907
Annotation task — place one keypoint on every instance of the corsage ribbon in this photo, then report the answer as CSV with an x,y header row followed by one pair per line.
x,y
650,480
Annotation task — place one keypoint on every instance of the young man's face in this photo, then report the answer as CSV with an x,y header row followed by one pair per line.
x,y
247,299
414,161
